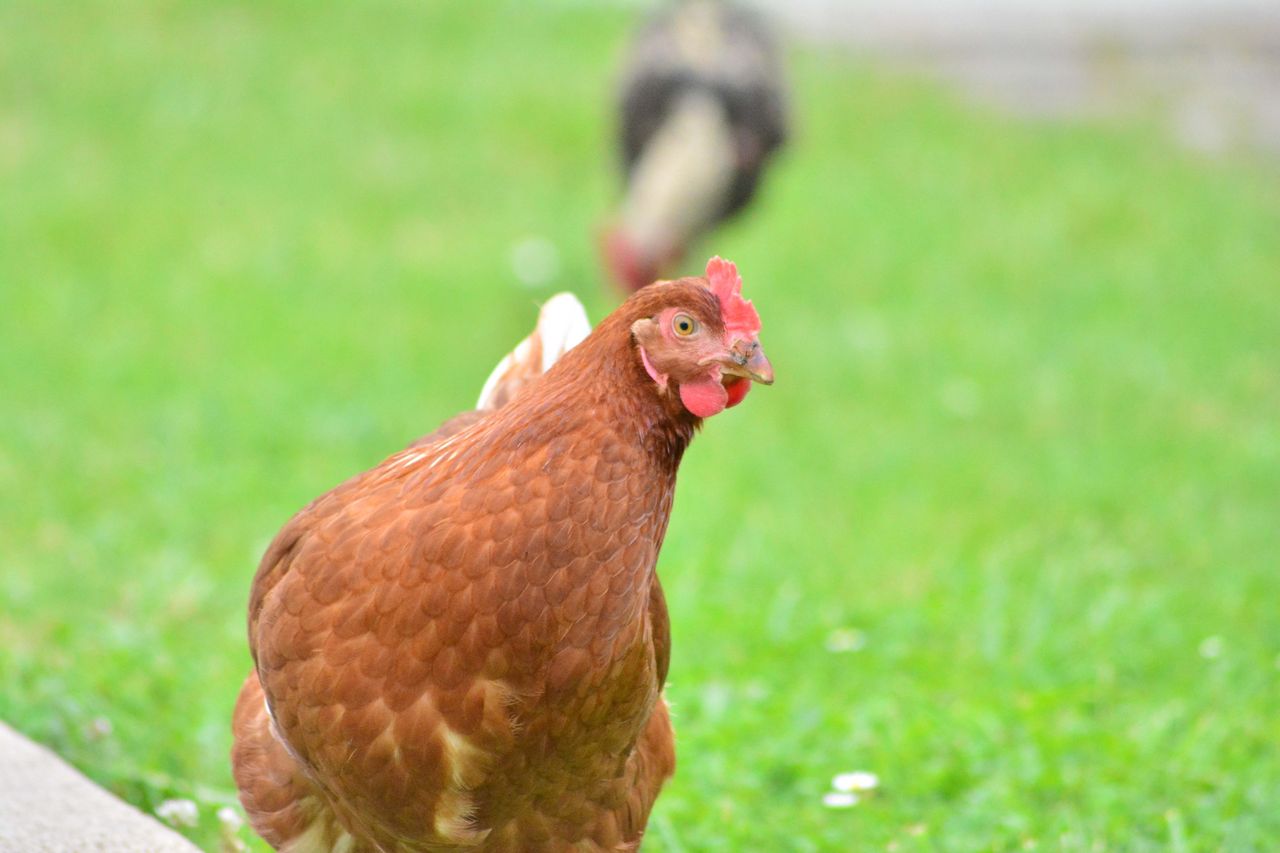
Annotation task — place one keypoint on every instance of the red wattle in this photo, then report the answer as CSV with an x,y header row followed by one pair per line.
x,y
737,389
704,397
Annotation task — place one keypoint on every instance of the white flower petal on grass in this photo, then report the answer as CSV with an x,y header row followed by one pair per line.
x,y
98,728
858,780
230,819
846,640
840,800
1211,647
179,812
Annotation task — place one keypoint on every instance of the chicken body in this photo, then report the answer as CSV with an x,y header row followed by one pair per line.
x,y
465,647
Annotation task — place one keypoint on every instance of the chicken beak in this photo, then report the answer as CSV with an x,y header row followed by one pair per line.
x,y
747,359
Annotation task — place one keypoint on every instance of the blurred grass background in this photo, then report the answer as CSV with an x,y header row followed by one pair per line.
x,y
1006,532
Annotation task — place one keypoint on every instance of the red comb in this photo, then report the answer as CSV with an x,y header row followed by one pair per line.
x,y
738,313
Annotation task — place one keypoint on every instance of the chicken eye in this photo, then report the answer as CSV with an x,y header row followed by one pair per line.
x,y
684,325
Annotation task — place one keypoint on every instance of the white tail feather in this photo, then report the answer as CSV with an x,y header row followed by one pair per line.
x,y
562,324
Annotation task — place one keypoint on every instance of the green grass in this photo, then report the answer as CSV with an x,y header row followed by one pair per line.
x,y
1025,436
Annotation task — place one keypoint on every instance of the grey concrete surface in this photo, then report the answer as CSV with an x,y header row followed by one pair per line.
x,y
1208,69
48,807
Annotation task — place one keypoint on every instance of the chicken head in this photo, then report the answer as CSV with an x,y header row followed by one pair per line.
x,y
710,354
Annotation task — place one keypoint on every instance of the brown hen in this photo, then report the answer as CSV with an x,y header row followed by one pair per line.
x,y
465,647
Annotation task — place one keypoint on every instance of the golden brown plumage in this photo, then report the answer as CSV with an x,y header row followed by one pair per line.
x,y
465,646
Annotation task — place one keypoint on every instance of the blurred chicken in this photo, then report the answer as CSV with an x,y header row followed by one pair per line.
x,y
703,108
465,647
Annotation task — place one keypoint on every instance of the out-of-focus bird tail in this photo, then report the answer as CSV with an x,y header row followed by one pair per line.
x,y
562,324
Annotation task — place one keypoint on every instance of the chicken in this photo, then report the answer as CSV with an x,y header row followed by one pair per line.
x,y
703,107
465,647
